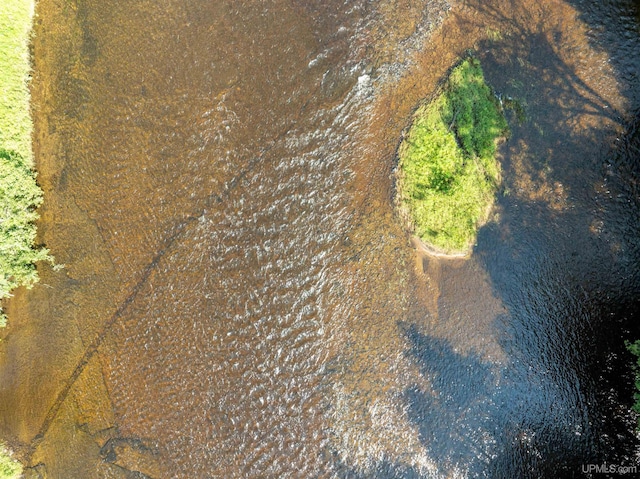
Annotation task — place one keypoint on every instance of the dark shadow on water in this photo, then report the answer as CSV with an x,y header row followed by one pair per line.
x,y
565,261
459,384
615,26
492,422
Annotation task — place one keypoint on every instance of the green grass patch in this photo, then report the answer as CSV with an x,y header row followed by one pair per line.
x,y
9,468
15,120
447,171
19,193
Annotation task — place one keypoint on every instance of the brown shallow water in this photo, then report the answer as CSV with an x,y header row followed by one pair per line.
x,y
238,298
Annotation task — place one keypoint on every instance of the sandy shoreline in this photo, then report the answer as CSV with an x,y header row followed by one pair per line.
x,y
432,251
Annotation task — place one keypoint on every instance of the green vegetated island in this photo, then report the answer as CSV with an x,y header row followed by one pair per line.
x,y
447,174
19,193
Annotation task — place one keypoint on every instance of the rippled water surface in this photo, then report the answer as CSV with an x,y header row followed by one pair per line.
x,y
238,297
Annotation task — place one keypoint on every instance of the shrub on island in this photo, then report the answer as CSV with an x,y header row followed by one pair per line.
x,y
447,172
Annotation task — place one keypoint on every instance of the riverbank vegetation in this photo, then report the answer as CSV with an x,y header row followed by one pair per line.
x,y
447,173
634,348
19,193
9,469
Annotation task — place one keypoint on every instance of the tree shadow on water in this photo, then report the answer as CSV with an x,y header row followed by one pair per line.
x,y
447,417
487,420
564,256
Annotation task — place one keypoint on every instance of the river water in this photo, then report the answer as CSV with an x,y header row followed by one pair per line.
x,y
238,298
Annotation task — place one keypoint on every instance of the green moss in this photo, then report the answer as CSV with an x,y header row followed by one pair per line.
x,y
19,193
447,171
9,469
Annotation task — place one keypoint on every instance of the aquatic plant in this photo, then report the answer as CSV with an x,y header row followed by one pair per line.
x,y
447,171
19,193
